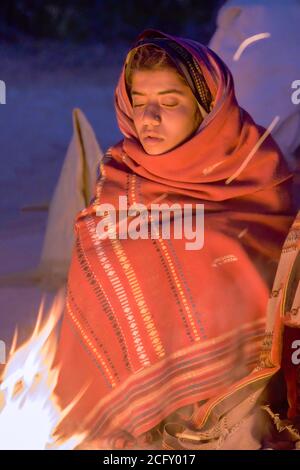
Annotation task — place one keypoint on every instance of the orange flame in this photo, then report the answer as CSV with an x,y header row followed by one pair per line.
x,y
29,412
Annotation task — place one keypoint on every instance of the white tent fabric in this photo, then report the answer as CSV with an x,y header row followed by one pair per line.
x,y
73,192
266,69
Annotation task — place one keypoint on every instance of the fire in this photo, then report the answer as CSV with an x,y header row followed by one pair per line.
x,y
29,412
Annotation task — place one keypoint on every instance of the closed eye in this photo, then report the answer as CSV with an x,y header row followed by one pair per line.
x,y
168,105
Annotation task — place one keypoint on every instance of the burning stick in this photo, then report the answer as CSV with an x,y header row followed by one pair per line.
x,y
247,42
254,150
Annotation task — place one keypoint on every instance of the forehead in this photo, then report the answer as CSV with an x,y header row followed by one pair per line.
x,y
164,81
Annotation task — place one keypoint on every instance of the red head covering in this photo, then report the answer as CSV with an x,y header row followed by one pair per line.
x,y
215,165
149,325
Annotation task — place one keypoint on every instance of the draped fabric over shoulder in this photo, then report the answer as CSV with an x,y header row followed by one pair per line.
x,y
149,326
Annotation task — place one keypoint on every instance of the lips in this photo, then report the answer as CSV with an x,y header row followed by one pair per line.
x,y
149,138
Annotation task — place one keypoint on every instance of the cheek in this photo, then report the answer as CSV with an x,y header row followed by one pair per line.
x,y
135,119
182,121
137,123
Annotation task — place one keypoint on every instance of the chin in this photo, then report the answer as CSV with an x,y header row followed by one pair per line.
x,y
153,151
157,150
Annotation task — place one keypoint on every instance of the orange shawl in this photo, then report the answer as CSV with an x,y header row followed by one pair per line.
x,y
149,326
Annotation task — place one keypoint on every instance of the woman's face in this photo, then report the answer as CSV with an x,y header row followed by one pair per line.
x,y
165,107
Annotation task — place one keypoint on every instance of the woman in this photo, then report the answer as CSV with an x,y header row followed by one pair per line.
x,y
152,331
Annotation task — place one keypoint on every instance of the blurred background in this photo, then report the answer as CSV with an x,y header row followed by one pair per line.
x,y
105,20
59,55
56,56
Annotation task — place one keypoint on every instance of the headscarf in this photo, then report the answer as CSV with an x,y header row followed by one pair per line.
x,y
228,159
186,66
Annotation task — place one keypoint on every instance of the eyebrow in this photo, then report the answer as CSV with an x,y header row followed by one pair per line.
x,y
165,92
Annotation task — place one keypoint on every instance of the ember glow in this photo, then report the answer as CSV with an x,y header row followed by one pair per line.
x,y
29,412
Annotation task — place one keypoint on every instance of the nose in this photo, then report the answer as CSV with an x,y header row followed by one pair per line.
x,y
151,116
